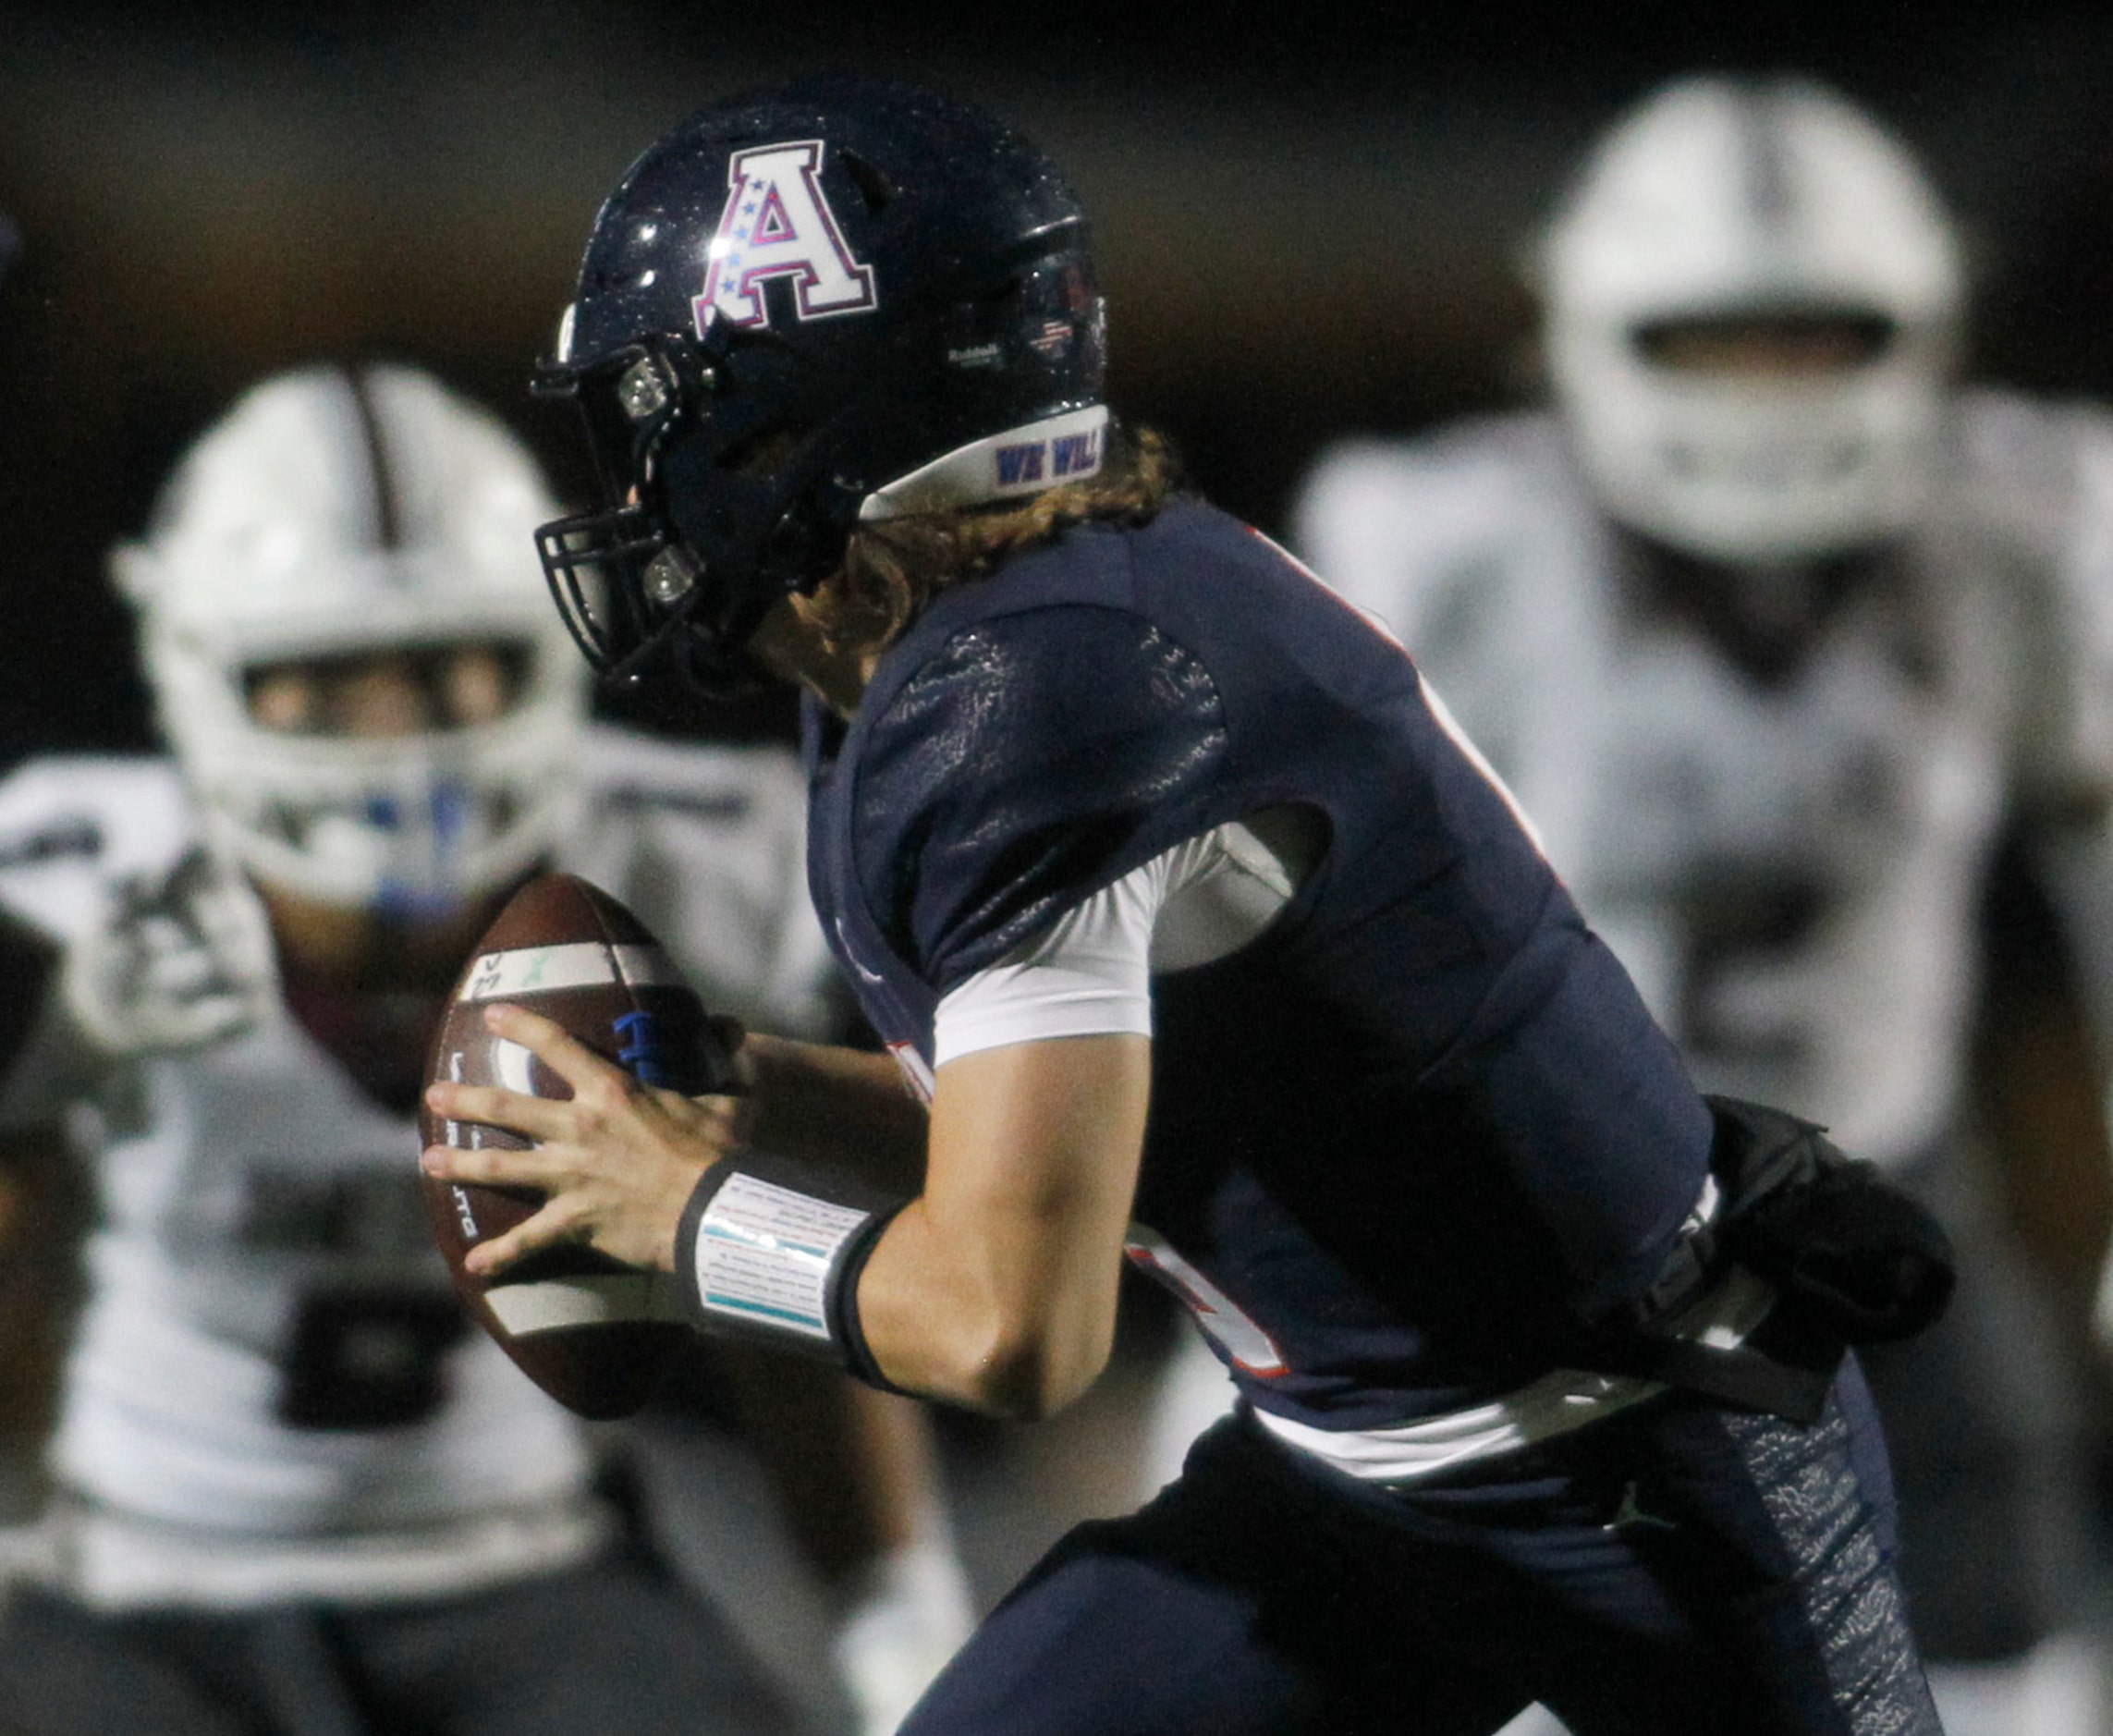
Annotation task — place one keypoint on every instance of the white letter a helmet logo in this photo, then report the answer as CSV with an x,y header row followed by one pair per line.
x,y
777,224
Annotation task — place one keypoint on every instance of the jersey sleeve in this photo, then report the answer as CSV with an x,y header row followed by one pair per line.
x,y
70,828
1032,759
1089,974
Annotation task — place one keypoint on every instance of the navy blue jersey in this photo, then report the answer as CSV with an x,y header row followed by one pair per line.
x,y
1419,1132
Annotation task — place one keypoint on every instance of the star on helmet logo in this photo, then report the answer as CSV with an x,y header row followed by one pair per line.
x,y
777,223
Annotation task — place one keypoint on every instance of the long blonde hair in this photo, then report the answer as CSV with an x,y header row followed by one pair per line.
x,y
893,568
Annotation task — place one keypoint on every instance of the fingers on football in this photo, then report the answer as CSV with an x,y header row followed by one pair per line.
x,y
734,1073
494,1106
544,1230
491,1165
557,1047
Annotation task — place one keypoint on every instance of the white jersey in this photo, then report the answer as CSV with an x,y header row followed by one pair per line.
x,y
259,1217
1789,871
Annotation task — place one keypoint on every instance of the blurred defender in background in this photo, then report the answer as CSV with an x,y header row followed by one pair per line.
x,y
1773,628
293,1490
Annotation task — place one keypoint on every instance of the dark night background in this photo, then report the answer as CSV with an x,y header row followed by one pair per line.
x,y
1307,226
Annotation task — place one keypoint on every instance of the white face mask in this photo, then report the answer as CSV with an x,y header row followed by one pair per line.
x,y
1743,469
414,824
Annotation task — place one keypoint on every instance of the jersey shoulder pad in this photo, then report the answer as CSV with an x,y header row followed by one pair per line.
x,y
2026,468
2032,492
706,843
1029,759
2033,509
625,773
1397,526
71,826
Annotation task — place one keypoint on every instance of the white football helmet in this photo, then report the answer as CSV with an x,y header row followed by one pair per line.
x,y
331,513
1719,197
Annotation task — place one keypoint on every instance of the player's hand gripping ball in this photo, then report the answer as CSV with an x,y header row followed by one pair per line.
x,y
593,1333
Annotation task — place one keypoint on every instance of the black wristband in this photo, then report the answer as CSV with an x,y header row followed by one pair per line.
x,y
845,1329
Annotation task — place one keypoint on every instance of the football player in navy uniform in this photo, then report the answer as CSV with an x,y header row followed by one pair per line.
x,y
291,1487
1197,932
1775,626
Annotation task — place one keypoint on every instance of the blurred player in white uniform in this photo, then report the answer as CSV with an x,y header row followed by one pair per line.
x,y
293,1490
1772,627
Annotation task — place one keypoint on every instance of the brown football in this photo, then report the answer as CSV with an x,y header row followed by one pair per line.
x,y
594,1334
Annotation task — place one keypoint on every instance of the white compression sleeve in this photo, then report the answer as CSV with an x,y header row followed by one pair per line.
x,y
1091,973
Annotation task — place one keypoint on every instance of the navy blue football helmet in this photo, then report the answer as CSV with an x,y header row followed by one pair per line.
x,y
830,301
